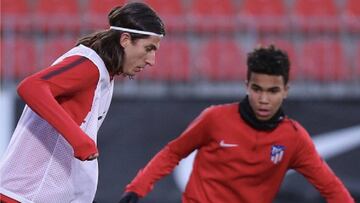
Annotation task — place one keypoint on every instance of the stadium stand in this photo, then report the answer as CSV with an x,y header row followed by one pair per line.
x,y
96,13
172,62
351,15
21,57
220,60
65,16
315,16
264,15
212,16
15,15
322,60
52,48
204,39
172,14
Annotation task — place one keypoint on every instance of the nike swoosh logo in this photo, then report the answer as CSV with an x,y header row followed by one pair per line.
x,y
223,144
328,145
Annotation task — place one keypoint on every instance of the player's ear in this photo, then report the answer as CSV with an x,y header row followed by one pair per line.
x,y
125,39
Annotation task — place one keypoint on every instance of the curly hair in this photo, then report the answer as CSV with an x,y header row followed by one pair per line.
x,y
268,60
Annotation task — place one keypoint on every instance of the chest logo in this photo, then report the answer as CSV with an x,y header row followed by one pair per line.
x,y
277,153
223,144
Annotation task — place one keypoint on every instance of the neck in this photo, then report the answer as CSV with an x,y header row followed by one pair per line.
x,y
249,116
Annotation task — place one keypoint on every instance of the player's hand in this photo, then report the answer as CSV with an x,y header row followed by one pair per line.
x,y
129,197
87,151
92,157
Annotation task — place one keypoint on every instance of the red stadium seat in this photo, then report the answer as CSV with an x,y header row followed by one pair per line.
x,y
212,15
315,15
57,15
323,60
20,57
11,7
53,48
15,15
264,15
172,62
221,60
351,15
171,12
96,12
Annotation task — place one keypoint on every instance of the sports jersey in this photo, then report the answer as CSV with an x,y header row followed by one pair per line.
x,y
237,163
69,99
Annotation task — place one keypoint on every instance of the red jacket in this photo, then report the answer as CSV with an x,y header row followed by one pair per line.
x,y
62,95
237,163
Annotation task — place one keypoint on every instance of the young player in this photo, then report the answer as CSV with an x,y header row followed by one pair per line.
x,y
49,156
245,148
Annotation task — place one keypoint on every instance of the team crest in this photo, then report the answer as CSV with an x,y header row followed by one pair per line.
x,y
277,153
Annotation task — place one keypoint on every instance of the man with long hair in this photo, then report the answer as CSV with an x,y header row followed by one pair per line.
x,y
52,154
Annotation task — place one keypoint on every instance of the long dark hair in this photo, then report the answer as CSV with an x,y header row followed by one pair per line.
x,y
106,43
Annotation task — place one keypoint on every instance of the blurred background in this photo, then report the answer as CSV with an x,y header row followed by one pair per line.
x,y
202,61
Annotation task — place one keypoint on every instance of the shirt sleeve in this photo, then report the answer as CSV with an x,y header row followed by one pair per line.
x,y
165,161
309,163
43,91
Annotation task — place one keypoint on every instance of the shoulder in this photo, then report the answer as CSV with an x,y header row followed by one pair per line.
x,y
221,109
298,132
86,55
74,60
295,127
75,64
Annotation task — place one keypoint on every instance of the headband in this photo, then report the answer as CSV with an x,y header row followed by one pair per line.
x,y
136,31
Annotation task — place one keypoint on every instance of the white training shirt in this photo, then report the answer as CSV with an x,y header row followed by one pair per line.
x,y
51,174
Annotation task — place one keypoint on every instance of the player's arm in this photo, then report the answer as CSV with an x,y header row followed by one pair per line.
x,y
309,163
41,91
164,162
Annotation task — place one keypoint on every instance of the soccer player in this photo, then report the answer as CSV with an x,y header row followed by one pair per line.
x,y
244,149
52,154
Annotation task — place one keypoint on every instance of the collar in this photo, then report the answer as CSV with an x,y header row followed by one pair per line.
x,y
248,115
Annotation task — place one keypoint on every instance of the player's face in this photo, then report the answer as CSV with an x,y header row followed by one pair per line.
x,y
266,94
138,54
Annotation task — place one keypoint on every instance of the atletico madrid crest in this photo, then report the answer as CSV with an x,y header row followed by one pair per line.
x,y
277,153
